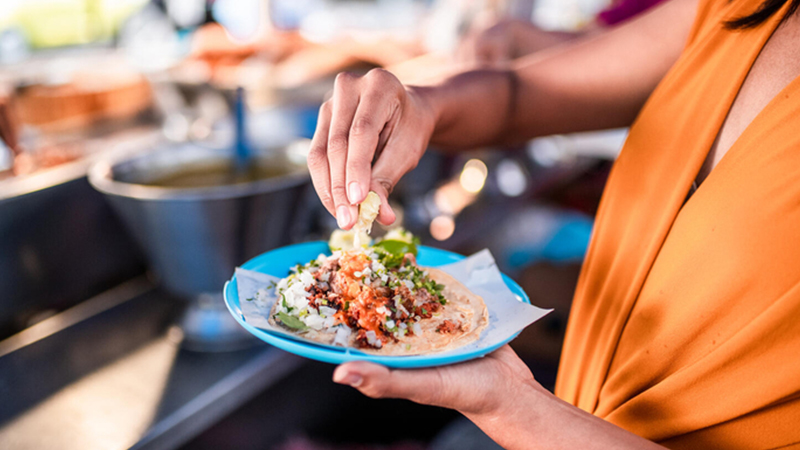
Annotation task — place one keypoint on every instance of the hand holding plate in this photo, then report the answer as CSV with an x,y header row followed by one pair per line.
x,y
482,387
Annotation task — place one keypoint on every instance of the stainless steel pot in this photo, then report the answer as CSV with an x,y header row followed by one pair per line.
x,y
194,237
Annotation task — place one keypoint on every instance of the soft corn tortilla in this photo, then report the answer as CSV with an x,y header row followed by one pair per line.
x,y
462,307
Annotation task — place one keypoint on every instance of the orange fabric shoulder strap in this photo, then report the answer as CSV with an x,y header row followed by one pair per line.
x,y
684,327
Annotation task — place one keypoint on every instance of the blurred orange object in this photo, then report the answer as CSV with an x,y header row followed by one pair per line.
x,y
9,127
214,47
45,157
81,103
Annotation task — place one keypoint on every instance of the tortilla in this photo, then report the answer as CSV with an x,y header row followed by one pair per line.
x,y
463,307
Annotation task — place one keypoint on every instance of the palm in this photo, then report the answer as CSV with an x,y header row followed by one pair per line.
x,y
472,387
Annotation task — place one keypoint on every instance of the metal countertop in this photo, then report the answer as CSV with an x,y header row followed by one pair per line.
x,y
110,374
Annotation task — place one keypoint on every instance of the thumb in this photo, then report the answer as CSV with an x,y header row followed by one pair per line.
x,y
421,386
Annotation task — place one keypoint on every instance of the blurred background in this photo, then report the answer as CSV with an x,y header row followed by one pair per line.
x,y
150,146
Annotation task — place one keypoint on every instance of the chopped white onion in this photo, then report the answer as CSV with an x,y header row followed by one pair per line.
x,y
342,335
372,338
327,311
313,321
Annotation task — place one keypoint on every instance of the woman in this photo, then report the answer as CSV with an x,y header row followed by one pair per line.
x,y
684,329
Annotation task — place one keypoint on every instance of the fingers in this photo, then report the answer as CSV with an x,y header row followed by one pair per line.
x,y
318,159
366,115
383,187
422,386
375,109
345,101
390,167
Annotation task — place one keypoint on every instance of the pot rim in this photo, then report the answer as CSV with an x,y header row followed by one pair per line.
x,y
100,175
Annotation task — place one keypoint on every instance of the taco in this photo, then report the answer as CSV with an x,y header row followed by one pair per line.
x,y
377,299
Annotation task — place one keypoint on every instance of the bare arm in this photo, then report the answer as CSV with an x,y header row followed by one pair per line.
x,y
509,39
596,83
500,395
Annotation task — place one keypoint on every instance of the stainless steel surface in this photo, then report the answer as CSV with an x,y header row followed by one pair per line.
x,y
194,238
60,243
110,373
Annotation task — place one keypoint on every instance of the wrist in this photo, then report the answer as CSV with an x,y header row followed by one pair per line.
x,y
525,408
428,100
521,397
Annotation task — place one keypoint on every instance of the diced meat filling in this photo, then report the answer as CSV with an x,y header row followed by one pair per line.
x,y
378,312
448,327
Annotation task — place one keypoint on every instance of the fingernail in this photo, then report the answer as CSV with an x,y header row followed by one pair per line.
x,y
355,193
344,377
352,379
342,216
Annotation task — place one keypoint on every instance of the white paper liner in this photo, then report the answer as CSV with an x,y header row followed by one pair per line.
x,y
508,314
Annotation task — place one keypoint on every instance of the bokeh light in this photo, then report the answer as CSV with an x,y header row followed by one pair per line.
x,y
442,227
473,176
511,178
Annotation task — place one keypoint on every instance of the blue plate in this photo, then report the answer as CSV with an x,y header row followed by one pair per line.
x,y
277,263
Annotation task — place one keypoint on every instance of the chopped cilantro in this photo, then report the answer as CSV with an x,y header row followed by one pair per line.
x,y
284,304
398,248
291,321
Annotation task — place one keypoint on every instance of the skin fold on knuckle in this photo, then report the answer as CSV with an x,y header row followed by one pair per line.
x,y
363,126
382,185
337,145
339,194
359,160
317,159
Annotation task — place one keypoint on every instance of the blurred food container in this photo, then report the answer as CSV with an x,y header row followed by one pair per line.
x,y
81,103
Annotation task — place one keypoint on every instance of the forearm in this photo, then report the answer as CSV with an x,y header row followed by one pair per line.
x,y
472,108
536,419
528,38
596,83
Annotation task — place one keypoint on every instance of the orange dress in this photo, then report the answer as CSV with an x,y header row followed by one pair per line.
x,y
685,327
